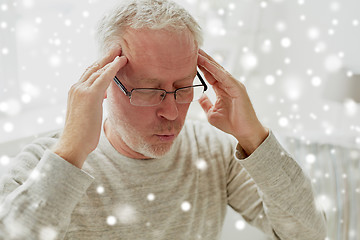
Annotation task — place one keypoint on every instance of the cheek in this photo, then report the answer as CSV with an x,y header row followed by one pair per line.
x,y
140,116
137,117
183,109
121,108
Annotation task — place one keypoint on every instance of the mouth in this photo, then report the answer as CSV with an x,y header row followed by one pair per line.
x,y
166,138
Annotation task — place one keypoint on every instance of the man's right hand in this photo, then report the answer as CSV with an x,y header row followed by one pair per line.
x,y
83,122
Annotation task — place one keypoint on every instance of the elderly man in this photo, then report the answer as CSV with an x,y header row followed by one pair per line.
x,y
146,173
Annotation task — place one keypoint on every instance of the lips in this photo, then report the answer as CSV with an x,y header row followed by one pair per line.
x,y
166,138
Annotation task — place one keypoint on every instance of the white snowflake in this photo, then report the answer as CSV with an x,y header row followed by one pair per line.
x,y
316,81
111,220
283,122
201,164
185,206
4,160
240,225
263,4
334,6
5,51
8,127
310,158
3,25
151,197
48,233
249,61
126,214
285,42
4,7
100,190
270,80
333,63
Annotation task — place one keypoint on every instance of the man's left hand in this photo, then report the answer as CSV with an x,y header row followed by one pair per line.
x,y
232,112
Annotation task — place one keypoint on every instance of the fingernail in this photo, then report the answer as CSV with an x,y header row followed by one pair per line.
x,y
117,57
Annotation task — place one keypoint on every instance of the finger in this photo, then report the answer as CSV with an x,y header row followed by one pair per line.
x,y
210,59
103,81
221,87
203,53
209,78
93,67
219,74
115,51
205,103
97,74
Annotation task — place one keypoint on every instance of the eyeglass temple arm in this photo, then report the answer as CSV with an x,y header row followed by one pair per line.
x,y
121,86
201,80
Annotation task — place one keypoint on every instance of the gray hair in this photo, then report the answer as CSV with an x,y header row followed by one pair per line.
x,y
151,14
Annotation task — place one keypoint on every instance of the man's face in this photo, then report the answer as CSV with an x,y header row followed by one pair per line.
x,y
156,59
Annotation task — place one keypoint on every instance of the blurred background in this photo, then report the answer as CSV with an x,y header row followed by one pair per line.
x,y
299,60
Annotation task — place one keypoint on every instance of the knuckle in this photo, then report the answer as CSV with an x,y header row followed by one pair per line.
x,y
73,88
77,89
95,75
95,65
100,71
227,74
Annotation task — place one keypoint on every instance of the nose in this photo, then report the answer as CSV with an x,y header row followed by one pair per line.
x,y
168,108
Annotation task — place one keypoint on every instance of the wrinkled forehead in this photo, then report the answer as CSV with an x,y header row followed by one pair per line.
x,y
168,49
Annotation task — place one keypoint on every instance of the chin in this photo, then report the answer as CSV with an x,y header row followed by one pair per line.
x,y
154,151
153,146
149,145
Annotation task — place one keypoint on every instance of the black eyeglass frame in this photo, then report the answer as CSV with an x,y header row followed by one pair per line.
x,y
127,93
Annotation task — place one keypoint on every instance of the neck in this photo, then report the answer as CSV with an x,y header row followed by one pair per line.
x,y
117,142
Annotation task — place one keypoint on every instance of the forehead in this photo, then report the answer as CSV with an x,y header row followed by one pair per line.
x,y
152,51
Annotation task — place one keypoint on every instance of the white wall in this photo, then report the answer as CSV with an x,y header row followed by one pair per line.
x,y
323,37
43,54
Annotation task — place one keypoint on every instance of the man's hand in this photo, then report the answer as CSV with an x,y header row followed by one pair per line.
x,y
84,109
232,112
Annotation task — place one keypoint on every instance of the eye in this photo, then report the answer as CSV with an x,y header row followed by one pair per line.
x,y
183,84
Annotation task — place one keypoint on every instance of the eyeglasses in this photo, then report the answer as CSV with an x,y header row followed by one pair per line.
x,y
153,96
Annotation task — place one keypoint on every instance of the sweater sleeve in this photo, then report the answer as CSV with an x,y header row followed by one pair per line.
x,y
39,194
270,190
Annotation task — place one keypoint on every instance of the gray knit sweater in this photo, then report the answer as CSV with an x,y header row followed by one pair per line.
x,y
182,195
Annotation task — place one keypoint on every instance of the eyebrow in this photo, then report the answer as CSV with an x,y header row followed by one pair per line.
x,y
152,80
